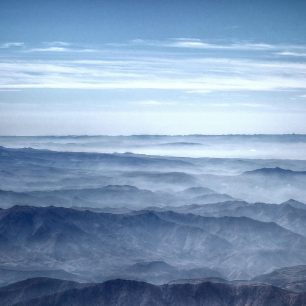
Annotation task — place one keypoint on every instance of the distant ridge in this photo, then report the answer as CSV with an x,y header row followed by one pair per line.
x,y
276,170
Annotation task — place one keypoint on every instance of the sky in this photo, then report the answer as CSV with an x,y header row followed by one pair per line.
x,y
88,67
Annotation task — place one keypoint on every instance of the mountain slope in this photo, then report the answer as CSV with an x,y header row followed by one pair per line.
x,y
290,278
97,245
290,215
33,288
204,293
113,196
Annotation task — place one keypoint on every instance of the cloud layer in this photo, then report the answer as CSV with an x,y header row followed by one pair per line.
x,y
187,74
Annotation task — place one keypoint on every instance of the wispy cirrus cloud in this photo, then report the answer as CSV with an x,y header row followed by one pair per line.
x,y
200,44
49,49
192,75
51,46
8,45
57,43
182,44
121,68
60,48
290,53
154,103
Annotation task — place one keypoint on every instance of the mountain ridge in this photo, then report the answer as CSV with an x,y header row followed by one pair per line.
x,y
125,292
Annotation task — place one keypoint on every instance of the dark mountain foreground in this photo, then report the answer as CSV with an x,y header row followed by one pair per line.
x,y
206,292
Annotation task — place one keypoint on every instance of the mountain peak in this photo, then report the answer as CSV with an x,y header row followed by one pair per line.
x,y
274,171
294,203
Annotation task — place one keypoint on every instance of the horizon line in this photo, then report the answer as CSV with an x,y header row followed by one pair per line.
x,y
158,135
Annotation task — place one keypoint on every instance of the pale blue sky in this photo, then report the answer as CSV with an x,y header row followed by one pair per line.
x,y
157,67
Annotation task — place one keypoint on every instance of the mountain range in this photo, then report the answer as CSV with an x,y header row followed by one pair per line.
x,y
25,170
85,228
44,292
95,246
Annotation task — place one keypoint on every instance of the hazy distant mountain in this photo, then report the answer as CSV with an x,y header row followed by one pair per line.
x,y
212,198
159,272
193,192
176,180
291,278
79,159
290,214
240,146
112,196
295,204
44,292
277,171
29,169
269,185
24,170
